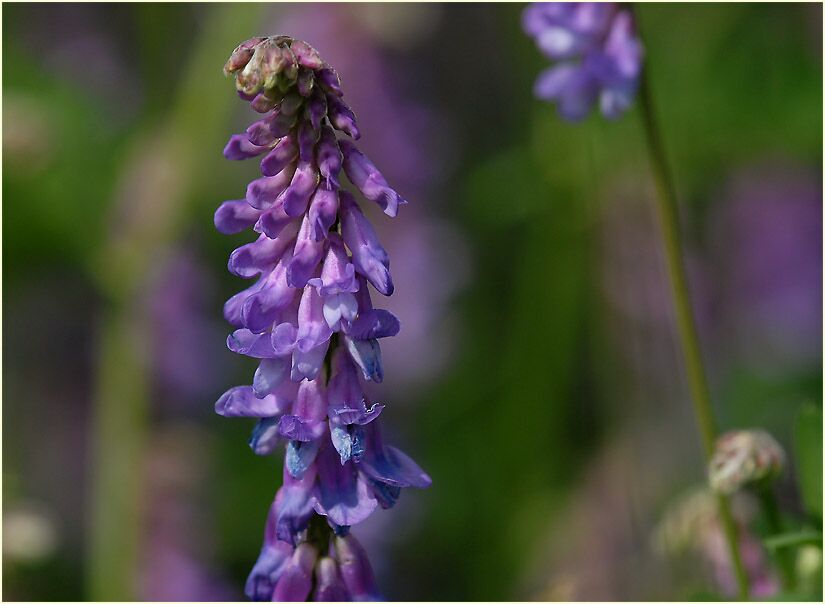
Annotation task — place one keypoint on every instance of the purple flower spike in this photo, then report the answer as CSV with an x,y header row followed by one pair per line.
x,y
308,309
356,569
600,56
369,257
364,175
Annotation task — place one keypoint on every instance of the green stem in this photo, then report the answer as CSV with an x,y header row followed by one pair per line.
x,y
697,380
119,434
773,519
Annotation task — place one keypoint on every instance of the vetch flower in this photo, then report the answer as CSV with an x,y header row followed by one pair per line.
x,y
599,56
310,322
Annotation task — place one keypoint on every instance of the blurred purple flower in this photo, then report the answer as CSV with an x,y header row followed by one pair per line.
x,y
186,364
767,228
309,318
599,54
176,553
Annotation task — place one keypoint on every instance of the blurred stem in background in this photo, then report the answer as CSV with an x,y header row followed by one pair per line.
x,y
783,556
667,211
165,171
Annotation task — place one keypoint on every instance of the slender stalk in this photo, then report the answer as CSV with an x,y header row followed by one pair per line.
x,y
774,522
688,339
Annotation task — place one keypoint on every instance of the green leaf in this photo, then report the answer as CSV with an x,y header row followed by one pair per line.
x,y
809,457
794,539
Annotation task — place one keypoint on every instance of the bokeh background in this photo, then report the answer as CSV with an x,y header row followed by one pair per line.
x,y
536,376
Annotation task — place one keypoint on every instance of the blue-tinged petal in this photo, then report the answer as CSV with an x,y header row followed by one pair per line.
x,y
390,465
386,495
269,375
264,437
300,456
367,356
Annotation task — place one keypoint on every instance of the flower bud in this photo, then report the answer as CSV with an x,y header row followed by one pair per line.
x,y
744,457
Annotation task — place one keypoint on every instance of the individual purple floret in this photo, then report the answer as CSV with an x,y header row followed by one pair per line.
x,y
599,56
309,321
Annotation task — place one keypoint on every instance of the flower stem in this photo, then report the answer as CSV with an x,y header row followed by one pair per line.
x,y
689,341
774,522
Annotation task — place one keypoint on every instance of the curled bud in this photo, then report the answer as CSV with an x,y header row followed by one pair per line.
x,y
241,56
744,457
